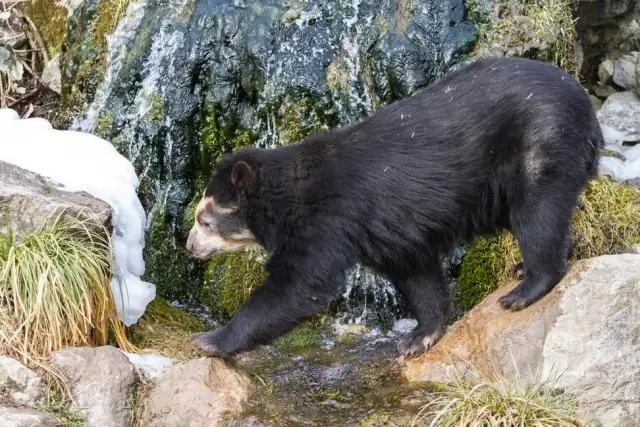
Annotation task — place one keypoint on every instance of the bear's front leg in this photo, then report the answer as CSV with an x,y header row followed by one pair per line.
x,y
428,298
273,309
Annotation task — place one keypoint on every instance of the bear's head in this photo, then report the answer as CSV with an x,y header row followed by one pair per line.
x,y
220,225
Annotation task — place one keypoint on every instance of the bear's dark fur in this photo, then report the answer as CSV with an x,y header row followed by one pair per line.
x,y
502,143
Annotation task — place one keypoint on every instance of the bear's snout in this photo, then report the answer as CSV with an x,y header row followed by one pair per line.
x,y
190,241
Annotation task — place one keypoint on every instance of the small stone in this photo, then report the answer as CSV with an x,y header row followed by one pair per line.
x,y
52,76
10,65
24,417
619,118
624,71
195,393
605,71
19,383
100,379
603,91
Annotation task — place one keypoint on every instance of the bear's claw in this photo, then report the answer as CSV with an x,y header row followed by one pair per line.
x,y
206,341
418,342
518,271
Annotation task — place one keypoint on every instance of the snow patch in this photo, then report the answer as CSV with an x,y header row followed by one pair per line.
x,y
84,162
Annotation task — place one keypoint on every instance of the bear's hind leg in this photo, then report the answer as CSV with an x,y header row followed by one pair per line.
x,y
429,300
542,229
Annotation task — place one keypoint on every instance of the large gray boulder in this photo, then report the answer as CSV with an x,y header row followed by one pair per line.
x,y
28,200
583,338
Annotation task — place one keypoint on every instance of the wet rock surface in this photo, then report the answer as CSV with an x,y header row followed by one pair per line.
x,y
583,338
348,384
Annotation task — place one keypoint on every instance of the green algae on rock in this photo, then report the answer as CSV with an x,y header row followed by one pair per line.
x,y
229,279
50,18
167,330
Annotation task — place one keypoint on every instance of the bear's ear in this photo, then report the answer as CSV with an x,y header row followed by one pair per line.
x,y
241,175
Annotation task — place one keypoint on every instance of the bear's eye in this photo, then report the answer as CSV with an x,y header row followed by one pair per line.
x,y
207,222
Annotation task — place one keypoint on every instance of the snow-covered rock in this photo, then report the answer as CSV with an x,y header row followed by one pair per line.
x,y
84,162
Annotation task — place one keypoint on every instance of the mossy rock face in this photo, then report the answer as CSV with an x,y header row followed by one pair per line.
x,y
83,45
229,280
50,18
606,222
542,30
301,338
168,264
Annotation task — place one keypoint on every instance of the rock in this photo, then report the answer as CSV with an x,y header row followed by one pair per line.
x,y
605,71
619,118
11,37
195,393
71,5
591,13
596,102
624,71
19,383
149,366
10,65
603,91
246,422
100,379
28,200
23,417
52,76
584,336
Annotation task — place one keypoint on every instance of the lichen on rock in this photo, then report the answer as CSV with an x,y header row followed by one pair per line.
x,y
51,19
542,30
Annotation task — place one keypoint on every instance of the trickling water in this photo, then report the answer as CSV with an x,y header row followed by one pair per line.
x,y
116,53
189,79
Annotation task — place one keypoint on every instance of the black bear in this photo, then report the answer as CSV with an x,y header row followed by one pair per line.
x,y
502,143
